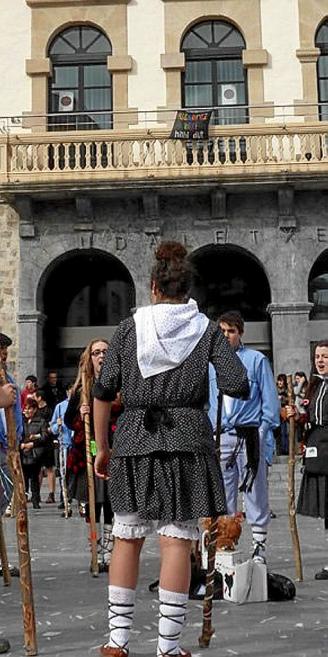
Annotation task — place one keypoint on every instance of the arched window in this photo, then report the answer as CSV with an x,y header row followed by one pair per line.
x,y
81,81
214,75
318,287
321,42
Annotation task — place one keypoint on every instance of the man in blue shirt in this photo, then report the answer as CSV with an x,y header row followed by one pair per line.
x,y
260,413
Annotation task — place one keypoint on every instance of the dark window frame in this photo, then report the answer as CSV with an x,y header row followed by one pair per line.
x,y
213,54
323,47
81,58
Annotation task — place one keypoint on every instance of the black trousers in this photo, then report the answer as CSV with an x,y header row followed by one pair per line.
x,y
31,476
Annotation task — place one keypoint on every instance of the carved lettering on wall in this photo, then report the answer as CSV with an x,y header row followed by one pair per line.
x,y
254,234
86,240
154,239
322,234
221,235
186,241
120,242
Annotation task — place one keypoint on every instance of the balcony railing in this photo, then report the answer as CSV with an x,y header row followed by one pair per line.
x,y
231,152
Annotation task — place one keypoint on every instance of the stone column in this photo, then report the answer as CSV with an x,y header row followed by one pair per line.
x,y
290,339
30,327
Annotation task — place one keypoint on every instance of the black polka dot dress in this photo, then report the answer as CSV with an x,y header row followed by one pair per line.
x,y
164,465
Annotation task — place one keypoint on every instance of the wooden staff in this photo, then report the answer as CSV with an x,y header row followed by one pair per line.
x,y
291,485
62,468
4,557
91,483
208,629
25,574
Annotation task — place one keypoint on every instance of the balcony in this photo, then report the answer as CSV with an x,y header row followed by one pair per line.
x,y
233,155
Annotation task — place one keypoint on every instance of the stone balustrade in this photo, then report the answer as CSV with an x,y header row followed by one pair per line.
x,y
231,153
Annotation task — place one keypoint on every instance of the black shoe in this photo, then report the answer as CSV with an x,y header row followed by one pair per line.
x,y
272,514
322,574
61,506
4,645
36,505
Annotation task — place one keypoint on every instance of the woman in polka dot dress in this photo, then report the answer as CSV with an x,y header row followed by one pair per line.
x,y
163,471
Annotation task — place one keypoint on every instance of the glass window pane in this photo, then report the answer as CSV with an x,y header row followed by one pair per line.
x,y
88,35
230,70
65,77
230,116
221,30
198,96
193,41
73,37
233,40
323,66
101,45
198,71
322,34
97,121
61,47
204,31
323,90
97,99
97,75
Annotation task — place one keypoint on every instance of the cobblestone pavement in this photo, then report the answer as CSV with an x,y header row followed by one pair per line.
x,y
71,605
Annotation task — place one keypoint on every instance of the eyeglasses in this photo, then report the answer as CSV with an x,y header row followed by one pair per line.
x,y
98,352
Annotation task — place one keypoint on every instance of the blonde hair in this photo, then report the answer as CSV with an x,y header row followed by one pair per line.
x,y
86,367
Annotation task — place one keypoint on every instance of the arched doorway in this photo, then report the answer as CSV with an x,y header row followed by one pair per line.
x,y
318,295
82,295
230,278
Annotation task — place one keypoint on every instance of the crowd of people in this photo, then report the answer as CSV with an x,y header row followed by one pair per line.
x,y
183,416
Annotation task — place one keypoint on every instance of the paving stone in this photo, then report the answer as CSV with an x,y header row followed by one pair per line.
x,y
71,606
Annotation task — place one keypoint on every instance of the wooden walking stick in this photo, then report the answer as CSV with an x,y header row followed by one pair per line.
x,y
291,485
62,469
4,557
25,576
208,629
91,483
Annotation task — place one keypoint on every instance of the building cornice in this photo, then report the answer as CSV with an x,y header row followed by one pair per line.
x,y
35,4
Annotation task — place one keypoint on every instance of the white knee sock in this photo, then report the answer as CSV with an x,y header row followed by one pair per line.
x,y
172,614
120,616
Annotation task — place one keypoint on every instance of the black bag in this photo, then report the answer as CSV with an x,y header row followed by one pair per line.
x,y
316,452
280,588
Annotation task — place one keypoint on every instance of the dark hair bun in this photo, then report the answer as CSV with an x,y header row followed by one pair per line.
x,y
170,251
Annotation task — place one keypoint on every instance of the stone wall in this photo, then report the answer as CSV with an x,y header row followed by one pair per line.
x,y
9,278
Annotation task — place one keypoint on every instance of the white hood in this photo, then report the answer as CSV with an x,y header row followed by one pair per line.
x,y
167,333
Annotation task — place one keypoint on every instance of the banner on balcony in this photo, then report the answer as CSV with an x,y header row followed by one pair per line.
x,y
191,125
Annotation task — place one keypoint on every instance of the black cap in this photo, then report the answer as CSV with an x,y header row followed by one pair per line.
x,y
5,341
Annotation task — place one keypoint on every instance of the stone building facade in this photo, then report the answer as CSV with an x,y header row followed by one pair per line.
x,y
82,210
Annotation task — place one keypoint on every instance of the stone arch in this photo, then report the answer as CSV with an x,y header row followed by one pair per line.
x,y
213,17
81,294
318,287
229,277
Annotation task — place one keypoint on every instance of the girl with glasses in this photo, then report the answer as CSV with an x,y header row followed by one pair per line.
x,y
91,362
